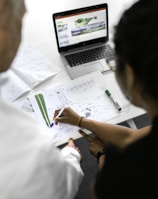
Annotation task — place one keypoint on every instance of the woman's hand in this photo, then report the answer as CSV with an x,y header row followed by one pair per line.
x,y
68,116
96,147
95,144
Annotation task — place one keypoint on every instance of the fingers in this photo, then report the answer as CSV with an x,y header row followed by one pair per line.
x,y
71,142
66,116
87,137
56,113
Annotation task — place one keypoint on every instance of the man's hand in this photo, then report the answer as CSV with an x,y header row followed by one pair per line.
x,y
72,144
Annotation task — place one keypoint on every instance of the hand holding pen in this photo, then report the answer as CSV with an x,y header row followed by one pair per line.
x,y
59,114
68,116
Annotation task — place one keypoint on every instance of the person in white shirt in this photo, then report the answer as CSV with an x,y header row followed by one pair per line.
x,y
31,166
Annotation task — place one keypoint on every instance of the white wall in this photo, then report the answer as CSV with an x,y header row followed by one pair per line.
x,y
38,25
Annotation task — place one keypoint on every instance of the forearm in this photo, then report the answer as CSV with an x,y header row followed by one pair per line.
x,y
114,134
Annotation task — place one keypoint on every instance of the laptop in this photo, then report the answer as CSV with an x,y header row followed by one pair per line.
x,y
82,39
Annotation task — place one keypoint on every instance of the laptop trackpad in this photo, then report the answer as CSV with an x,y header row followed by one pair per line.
x,y
100,65
87,68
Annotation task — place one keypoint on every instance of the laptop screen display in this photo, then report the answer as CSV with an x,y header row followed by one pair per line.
x,y
81,26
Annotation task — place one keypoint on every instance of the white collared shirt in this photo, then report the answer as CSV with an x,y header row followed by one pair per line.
x,y
31,167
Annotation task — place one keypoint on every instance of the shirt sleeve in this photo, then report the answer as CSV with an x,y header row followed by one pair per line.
x,y
58,173
74,171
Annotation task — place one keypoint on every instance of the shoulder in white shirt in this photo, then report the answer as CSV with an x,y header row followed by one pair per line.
x,y
31,166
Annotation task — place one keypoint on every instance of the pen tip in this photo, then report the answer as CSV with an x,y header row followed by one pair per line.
x,y
51,125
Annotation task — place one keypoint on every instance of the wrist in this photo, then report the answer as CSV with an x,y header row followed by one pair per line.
x,y
101,161
79,121
100,154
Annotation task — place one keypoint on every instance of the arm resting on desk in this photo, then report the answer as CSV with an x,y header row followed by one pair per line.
x,y
118,135
115,134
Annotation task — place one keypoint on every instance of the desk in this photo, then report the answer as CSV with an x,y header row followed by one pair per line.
x,y
38,31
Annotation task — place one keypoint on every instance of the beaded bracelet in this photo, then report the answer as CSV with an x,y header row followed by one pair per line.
x,y
100,153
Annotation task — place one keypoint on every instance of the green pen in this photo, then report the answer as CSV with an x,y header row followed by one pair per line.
x,y
116,104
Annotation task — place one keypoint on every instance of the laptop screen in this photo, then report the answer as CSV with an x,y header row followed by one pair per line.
x,y
79,27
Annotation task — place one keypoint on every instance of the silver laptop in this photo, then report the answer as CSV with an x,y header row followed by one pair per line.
x,y
82,39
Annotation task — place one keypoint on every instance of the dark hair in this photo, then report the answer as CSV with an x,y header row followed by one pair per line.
x,y
136,43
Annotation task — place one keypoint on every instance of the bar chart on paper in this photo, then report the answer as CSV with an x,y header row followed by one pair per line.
x,y
85,95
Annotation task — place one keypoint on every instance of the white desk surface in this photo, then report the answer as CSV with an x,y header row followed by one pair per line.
x,y
38,31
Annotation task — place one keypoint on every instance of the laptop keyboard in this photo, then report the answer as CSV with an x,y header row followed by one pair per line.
x,y
90,55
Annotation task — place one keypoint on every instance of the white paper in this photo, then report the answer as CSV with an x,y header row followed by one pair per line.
x,y
85,95
29,69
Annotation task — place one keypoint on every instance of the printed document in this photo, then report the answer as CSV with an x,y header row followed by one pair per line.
x,y
29,69
86,95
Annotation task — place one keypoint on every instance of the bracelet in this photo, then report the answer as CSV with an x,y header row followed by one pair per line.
x,y
100,153
79,121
